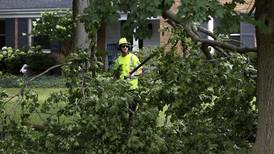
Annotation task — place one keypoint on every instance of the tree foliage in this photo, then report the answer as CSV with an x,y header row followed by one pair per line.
x,y
211,110
209,104
140,11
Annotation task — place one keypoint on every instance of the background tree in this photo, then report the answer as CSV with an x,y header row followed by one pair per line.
x,y
84,35
80,36
265,85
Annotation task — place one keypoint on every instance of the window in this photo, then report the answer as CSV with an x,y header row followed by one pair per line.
x,y
2,34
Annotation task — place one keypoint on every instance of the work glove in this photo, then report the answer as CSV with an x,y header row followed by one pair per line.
x,y
127,77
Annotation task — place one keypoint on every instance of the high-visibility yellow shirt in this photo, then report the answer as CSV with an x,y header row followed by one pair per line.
x,y
127,64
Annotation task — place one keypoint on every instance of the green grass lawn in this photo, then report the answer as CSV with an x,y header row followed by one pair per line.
x,y
43,93
13,108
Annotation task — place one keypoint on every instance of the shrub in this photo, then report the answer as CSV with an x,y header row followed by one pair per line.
x,y
58,26
11,81
11,60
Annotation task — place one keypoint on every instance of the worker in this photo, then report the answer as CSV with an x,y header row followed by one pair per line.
x,y
123,65
126,62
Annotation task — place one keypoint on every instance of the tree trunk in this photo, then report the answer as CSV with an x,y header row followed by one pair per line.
x,y
265,82
80,36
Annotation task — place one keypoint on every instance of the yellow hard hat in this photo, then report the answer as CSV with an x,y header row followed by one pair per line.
x,y
122,40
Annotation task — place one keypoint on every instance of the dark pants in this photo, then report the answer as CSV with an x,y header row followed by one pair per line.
x,y
132,105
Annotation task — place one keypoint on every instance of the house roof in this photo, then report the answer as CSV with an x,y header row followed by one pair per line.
x,y
34,4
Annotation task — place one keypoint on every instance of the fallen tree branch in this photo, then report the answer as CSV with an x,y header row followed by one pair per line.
x,y
193,34
20,93
206,51
223,45
207,32
46,71
220,51
11,98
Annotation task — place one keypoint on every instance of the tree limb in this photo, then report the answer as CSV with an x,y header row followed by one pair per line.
x,y
11,98
252,10
28,82
46,71
207,32
223,45
192,33
172,23
206,51
220,51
